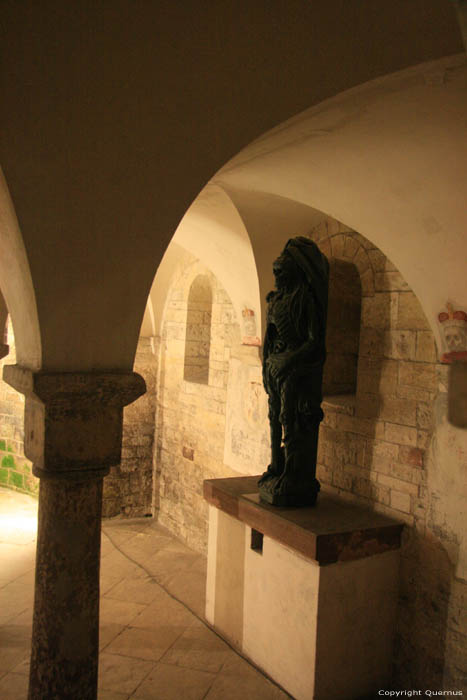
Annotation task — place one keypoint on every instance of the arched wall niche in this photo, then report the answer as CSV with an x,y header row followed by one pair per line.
x,y
211,231
387,448
198,331
342,328
191,416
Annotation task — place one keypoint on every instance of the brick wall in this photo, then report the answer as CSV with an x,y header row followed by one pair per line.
x,y
372,444
15,469
384,446
128,488
190,415
375,448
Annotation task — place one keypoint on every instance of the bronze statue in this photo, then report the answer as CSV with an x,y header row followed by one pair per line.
x,y
293,359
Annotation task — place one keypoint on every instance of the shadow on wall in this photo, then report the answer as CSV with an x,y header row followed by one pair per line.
x,y
375,448
342,329
128,487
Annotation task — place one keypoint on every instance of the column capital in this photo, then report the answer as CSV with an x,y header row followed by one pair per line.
x,y
73,420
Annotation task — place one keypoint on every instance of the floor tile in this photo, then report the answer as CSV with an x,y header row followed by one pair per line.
x,y
23,667
140,622
19,527
236,665
107,633
122,674
198,648
190,587
27,578
247,687
114,538
15,646
111,695
174,683
163,565
127,525
139,590
118,611
163,611
145,545
146,642
14,598
16,560
116,561
112,573
23,620
14,686
106,546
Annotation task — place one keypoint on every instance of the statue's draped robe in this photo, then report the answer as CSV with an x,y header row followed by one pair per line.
x,y
295,336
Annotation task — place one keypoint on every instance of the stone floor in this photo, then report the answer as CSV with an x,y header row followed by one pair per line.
x,y
154,644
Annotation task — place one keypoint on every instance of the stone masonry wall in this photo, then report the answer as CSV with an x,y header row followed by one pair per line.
x,y
190,415
128,488
15,469
388,446
374,449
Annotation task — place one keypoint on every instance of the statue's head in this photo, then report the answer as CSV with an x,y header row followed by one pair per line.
x,y
302,267
301,261
286,272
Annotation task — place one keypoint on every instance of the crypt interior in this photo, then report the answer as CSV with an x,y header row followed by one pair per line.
x,y
156,158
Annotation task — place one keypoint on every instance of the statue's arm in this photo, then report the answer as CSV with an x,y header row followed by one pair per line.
x,y
282,363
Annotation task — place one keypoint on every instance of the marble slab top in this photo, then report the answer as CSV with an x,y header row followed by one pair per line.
x,y
333,530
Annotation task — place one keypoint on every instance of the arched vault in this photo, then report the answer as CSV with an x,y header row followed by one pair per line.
x,y
388,159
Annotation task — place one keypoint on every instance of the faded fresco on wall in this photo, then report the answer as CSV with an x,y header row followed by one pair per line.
x,y
454,334
249,330
247,426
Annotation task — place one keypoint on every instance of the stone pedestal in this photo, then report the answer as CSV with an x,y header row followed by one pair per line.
x,y
73,435
308,594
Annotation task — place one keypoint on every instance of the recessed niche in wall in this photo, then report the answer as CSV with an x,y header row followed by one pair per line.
x,y
343,328
198,331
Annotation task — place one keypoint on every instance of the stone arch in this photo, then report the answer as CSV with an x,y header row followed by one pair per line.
x,y
16,284
368,157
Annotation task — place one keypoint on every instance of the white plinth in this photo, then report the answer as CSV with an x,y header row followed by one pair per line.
x,y
320,631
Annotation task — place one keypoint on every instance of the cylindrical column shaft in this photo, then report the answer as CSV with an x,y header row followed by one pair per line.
x,y
65,639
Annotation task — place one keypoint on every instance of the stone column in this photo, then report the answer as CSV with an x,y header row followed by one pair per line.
x,y
73,433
